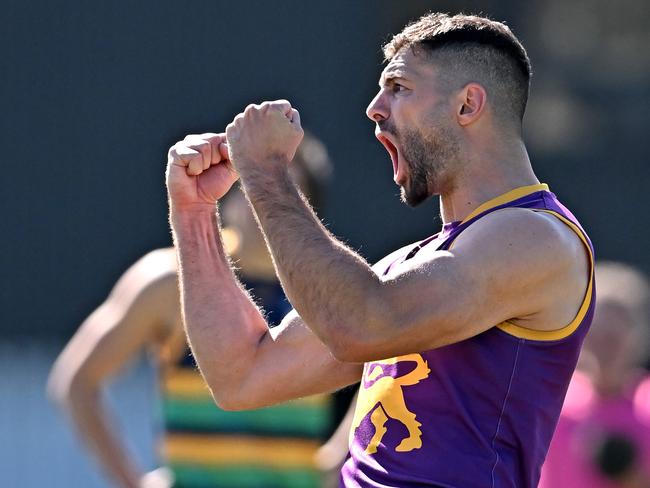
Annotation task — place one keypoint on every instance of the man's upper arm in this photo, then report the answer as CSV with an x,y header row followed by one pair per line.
x,y
512,264
291,362
132,317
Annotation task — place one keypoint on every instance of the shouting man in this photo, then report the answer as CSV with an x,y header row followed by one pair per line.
x,y
469,337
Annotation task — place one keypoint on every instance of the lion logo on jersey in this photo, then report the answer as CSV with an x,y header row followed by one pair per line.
x,y
382,396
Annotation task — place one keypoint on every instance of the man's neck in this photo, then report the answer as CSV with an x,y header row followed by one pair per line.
x,y
485,177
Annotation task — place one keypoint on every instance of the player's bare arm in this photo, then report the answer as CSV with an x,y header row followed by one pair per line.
x,y
504,286
515,265
245,365
137,313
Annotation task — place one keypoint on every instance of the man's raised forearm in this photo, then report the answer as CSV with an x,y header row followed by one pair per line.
x,y
331,287
223,325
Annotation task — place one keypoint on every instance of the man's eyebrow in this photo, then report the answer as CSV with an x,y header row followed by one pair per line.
x,y
389,77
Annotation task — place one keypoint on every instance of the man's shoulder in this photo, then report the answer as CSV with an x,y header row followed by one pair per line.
x,y
157,264
531,254
530,231
148,289
155,272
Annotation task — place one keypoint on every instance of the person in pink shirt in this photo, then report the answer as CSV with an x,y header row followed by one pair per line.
x,y
603,436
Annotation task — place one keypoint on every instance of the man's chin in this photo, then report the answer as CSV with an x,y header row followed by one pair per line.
x,y
412,199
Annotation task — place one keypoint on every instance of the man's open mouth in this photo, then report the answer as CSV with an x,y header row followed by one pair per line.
x,y
390,146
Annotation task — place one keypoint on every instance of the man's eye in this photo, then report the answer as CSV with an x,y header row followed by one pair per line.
x,y
396,88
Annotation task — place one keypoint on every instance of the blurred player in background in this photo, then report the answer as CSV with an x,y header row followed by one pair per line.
x,y
603,436
469,337
202,446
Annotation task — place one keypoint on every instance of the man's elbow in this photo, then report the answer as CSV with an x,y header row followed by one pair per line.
x,y
227,402
232,402
58,385
231,397
68,389
62,389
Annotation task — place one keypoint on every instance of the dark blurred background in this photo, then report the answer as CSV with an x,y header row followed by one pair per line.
x,y
92,94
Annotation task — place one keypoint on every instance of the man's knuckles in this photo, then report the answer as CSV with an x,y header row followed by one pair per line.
x,y
195,167
232,130
191,156
236,123
253,109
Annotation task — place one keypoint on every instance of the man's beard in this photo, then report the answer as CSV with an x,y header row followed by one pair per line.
x,y
428,155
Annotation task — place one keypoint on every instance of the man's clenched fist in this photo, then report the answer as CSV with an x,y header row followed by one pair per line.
x,y
199,171
264,134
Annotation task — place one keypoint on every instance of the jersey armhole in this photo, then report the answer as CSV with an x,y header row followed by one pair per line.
x,y
564,332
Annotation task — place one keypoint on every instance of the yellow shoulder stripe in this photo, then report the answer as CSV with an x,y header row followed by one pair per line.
x,y
515,194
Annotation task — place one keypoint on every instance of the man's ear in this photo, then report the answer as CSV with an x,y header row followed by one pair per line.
x,y
471,103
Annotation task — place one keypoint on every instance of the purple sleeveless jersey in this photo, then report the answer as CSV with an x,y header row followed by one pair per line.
x,y
478,413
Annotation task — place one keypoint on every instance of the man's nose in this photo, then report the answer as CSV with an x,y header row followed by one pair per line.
x,y
378,109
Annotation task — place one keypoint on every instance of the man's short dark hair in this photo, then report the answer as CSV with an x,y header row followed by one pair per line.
x,y
471,48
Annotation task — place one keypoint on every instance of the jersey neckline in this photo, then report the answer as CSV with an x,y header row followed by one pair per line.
x,y
509,196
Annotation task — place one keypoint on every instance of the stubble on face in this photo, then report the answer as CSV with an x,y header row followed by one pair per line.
x,y
431,152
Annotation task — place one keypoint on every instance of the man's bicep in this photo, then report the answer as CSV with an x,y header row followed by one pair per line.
x,y
291,362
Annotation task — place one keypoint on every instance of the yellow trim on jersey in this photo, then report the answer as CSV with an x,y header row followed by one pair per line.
x,y
515,194
215,450
566,331
188,383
